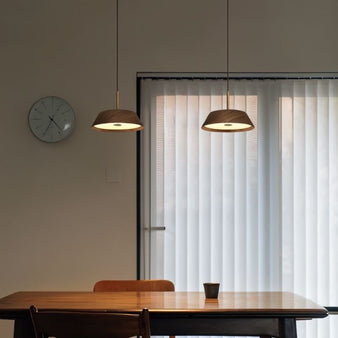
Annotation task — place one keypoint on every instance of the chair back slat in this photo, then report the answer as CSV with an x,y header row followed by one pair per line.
x,y
134,285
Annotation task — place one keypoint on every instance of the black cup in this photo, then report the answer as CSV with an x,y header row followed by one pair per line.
x,y
211,290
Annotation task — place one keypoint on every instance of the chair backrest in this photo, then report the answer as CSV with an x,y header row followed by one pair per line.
x,y
85,324
134,285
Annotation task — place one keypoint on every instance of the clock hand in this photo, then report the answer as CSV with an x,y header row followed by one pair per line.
x,y
50,121
56,123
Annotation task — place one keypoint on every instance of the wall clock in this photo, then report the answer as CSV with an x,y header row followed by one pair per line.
x,y
51,119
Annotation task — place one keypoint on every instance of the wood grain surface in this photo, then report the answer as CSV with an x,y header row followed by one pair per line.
x,y
245,303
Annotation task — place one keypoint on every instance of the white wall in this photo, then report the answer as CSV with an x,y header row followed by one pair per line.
x,y
62,225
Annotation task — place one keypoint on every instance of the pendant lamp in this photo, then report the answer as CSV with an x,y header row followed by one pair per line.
x,y
117,119
227,120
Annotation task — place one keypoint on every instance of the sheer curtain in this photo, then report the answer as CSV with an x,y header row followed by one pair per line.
x,y
309,150
255,211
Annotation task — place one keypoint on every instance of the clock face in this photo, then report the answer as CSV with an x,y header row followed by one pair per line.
x,y
51,119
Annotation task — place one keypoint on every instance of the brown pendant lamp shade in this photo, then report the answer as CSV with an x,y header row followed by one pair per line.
x,y
227,120
117,119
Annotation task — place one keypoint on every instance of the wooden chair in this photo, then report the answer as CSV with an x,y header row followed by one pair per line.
x,y
89,324
134,285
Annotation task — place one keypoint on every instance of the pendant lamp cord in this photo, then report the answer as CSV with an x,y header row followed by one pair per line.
x,y
117,56
228,94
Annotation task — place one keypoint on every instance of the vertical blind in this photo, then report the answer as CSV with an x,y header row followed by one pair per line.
x,y
255,211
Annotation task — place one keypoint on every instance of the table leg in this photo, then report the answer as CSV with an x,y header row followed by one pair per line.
x,y
23,328
287,328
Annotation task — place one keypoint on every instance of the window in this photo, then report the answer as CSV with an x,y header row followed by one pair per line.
x,y
257,210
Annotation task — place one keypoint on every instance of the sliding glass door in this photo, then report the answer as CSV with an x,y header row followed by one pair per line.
x,y
254,211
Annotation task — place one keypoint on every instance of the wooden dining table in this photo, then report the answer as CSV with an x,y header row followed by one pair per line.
x,y
263,314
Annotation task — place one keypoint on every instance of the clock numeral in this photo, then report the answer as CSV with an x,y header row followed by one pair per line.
x,y
65,111
39,111
58,108
43,103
